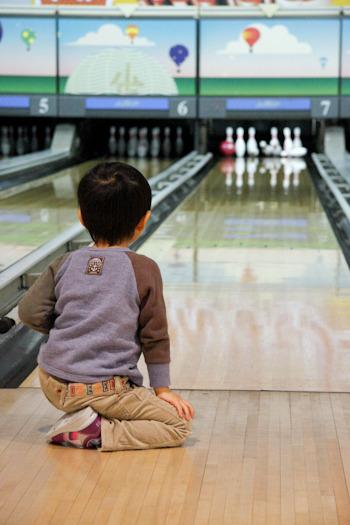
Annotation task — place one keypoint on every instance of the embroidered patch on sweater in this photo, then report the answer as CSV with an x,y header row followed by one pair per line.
x,y
94,266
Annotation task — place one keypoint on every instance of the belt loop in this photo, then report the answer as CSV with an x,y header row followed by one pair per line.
x,y
124,383
120,383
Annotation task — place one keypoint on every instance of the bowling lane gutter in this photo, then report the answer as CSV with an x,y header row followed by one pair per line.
x,y
334,193
61,153
20,345
44,164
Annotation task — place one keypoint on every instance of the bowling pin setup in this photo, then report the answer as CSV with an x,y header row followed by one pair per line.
x,y
291,147
143,143
286,156
21,141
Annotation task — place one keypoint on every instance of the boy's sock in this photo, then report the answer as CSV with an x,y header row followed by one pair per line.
x,y
80,429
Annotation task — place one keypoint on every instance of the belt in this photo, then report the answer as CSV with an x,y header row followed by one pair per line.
x,y
90,389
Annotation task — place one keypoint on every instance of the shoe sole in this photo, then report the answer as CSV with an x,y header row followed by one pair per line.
x,y
73,422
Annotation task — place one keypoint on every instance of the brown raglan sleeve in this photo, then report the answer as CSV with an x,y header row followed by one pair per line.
x,y
37,308
153,326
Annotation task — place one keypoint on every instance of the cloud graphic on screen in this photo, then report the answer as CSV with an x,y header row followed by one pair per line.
x,y
276,40
110,35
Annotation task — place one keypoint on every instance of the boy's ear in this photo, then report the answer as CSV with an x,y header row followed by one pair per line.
x,y
142,224
80,217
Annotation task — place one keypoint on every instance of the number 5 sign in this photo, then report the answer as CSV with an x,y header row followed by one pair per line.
x,y
43,105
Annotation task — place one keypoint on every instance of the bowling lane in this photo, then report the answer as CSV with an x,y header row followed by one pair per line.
x,y
35,213
257,289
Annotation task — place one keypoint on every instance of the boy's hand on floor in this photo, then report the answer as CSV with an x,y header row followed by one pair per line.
x,y
182,406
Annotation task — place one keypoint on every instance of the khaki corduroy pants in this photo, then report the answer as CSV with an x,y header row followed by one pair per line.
x,y
132,417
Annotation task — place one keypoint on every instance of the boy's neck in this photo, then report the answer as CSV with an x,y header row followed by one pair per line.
x,y
106,245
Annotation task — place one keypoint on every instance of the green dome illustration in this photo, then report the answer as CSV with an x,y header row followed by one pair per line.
x,y
121,72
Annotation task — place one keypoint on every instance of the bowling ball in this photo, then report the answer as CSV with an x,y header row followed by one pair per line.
x,y
6,324
227,148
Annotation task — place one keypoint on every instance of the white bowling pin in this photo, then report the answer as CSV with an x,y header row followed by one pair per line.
x,y
121,146
155,143
240,146
252,145
166,143
294,152
77,143
179,144
274,142
5,143
299,152
266,148
25,139
11,136
142,146
132,142
20,141
297,140
112,142
287,143
229,134
47,142
34,141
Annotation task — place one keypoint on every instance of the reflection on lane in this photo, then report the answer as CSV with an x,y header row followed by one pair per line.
x,y
46,207
256,286
269,207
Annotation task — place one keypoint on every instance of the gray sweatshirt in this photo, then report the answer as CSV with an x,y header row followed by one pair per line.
x,y
101,309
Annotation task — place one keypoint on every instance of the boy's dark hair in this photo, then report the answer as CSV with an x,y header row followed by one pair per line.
x,y
113,197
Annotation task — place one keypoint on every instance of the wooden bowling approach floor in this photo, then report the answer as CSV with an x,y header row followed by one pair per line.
x,y
257,293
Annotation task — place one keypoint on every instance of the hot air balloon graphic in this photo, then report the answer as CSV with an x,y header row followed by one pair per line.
x,y
132,31
178,54
28,36
251,35
323,62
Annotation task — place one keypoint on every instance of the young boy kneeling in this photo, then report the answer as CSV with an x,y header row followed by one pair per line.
x,y
102,306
